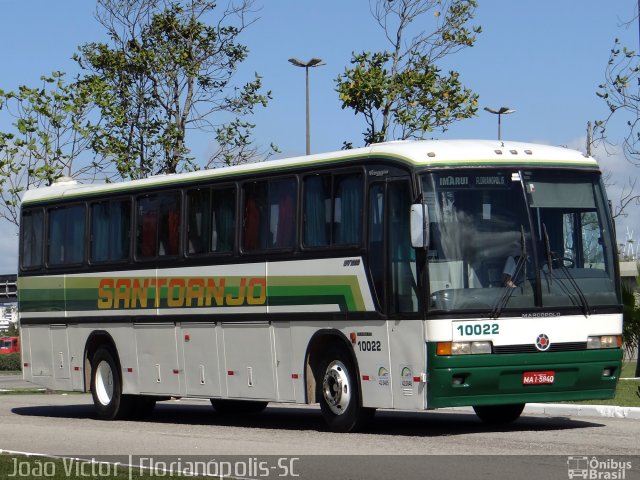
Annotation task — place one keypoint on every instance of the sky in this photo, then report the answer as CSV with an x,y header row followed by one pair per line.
x,y
543,58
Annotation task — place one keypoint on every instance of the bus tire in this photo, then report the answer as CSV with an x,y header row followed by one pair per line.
x,y
339,393
106,387
499,414
238,406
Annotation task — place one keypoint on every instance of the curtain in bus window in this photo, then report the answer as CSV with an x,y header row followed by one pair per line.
x,y
100,232
169,238
32,233
223,220
256,218
198,206
75,225
317,194
55,254
66,235
283,194
348,210
147,227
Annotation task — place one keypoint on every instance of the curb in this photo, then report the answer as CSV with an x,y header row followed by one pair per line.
x,y
608,411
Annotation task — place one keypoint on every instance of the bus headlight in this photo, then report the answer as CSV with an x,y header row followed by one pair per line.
x,y
463,348
604,341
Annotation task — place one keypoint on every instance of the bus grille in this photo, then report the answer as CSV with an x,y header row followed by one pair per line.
x,y
530,348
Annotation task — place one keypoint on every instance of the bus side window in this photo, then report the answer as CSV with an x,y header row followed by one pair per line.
x,y
147,227
223,219
110,227
269,220
255,216
332,211
347,218
159,228
66,235
169,227
198,226
316,211
32,231
282,195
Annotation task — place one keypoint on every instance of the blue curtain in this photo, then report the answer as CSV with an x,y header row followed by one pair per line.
x,y
349,229
315,214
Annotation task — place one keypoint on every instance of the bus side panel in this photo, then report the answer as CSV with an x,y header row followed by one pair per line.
x,y
158,371
60,360
407,350
77,338
201,360
249,360
37,353
371,349
286,388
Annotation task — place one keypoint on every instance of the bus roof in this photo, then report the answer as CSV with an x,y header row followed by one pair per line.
x,y
418,154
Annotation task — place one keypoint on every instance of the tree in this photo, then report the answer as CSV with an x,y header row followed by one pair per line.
x,y
631,323
621,93
401,92
50,133
165,71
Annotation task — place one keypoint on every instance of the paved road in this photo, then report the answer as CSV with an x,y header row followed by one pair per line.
x,y
66,425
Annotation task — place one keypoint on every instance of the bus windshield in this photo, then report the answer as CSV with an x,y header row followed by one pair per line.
x,y
517,240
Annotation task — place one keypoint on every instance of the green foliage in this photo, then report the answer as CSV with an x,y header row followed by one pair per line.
x,y
10,362
12,331
50,130
631,320
402,93
621,92
166,71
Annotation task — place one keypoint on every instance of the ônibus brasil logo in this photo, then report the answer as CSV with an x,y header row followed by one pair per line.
x,y
542,342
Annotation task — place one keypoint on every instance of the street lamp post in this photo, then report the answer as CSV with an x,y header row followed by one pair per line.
x,y
500,112
314,62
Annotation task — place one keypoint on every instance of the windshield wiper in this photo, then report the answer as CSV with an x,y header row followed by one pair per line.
x,y
576,287
550,258
547,250
507,291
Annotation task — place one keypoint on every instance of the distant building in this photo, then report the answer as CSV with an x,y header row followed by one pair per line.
x,y
629,274
8,301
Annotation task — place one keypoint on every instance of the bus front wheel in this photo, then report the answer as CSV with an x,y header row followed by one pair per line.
x,y
106,387
339,393
499,414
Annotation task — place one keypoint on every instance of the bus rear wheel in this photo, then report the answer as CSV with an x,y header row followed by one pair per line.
x,y
106,387
339,393
499,414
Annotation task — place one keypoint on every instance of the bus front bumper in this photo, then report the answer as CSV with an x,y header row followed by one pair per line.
x,y
498,379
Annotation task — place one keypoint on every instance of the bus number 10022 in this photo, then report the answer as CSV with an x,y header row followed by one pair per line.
x,y
479,329
369,346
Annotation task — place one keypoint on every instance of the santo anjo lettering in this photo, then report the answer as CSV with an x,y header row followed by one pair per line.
x,y
123,293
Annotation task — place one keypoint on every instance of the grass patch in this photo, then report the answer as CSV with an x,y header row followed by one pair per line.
x,y
36,391
627,395
628,370
19,466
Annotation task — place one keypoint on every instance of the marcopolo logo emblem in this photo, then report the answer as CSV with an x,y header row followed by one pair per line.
x,y
542,342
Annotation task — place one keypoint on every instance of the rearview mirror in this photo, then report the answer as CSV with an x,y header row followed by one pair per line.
x,y
419,220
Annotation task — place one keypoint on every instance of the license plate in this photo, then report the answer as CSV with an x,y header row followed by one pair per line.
x,y
538,378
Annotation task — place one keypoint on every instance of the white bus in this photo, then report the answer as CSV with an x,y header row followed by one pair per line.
x,y
405,275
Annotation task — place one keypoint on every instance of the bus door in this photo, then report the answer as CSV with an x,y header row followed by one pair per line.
x,y
392,268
